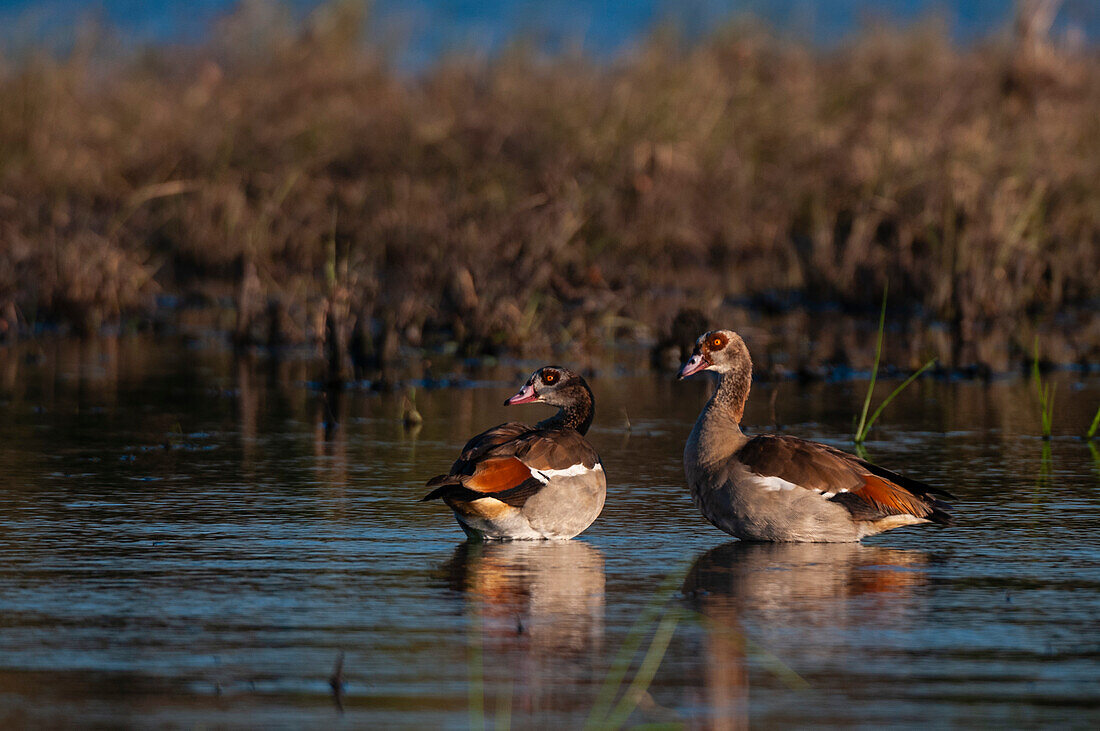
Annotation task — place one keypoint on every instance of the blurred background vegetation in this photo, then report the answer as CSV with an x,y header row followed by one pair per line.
x,y
283,181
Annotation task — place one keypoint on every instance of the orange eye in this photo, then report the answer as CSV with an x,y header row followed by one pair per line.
x,y
716,343
550,377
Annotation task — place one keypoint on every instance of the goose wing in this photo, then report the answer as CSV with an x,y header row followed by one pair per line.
x,y
869,492
512,462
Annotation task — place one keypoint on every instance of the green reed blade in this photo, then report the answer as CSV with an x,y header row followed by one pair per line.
x,y
658,646
628,649
861,430
1045,392
1091,433
895,392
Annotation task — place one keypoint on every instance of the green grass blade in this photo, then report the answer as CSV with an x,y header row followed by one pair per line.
x,y
628,649
896,391
648,668
1045,393
1046,467
861,430
1048,411
619,667
1091,433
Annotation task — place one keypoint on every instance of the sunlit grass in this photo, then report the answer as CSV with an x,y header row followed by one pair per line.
x,y
647,669
657,612
1046,467
1091,433
1045,394
865,423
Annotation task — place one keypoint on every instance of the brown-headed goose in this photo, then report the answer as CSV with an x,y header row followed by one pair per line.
x,y
530,482
781,488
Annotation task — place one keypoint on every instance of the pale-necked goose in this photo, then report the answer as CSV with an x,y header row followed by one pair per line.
x,y
529,482
781,488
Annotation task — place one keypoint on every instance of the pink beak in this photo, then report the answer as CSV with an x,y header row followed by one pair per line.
x,y
695,364
525,396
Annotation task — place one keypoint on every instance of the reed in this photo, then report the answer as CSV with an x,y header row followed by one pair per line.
x,y
865,423
1045,394
1045,479
1090,434
658,614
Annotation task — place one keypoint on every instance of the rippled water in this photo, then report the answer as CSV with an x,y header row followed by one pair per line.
x,y
190,539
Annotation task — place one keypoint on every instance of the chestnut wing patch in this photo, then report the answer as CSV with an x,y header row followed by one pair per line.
x,y
507,463
498,474
504,478
878,498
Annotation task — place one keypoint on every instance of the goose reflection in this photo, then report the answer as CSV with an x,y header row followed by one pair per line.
x,y
537,614
800,601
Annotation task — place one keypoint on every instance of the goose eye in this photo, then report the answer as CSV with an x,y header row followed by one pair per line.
x,y
549,378
716,343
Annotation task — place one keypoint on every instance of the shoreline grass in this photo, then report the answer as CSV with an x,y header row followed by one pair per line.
x,y
528,200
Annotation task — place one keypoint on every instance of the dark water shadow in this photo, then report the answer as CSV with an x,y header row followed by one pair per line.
x,y
806,590
535,615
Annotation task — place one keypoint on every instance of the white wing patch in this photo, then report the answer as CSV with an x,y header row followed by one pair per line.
x,y
544,476
774,484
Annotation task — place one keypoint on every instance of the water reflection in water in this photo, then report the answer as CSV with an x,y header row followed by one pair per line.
x,y
537,624
192,538
811,590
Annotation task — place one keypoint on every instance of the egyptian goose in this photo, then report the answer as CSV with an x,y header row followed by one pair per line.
x,y
530,482
780,488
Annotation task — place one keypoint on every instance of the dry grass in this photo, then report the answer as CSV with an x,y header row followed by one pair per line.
x,y
527,200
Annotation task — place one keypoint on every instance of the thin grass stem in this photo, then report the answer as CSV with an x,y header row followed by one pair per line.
x,y
627,650
861,429
658,646
1091,433
865,423
893,394
1045,392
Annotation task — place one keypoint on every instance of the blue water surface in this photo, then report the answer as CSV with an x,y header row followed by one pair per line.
x,y
198,538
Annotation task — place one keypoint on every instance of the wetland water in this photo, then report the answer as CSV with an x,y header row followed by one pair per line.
x,y
193,539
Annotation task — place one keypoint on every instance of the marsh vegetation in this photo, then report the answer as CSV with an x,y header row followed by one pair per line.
x,y
285,183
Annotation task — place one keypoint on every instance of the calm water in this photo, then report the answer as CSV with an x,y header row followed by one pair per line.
x,y
190,539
